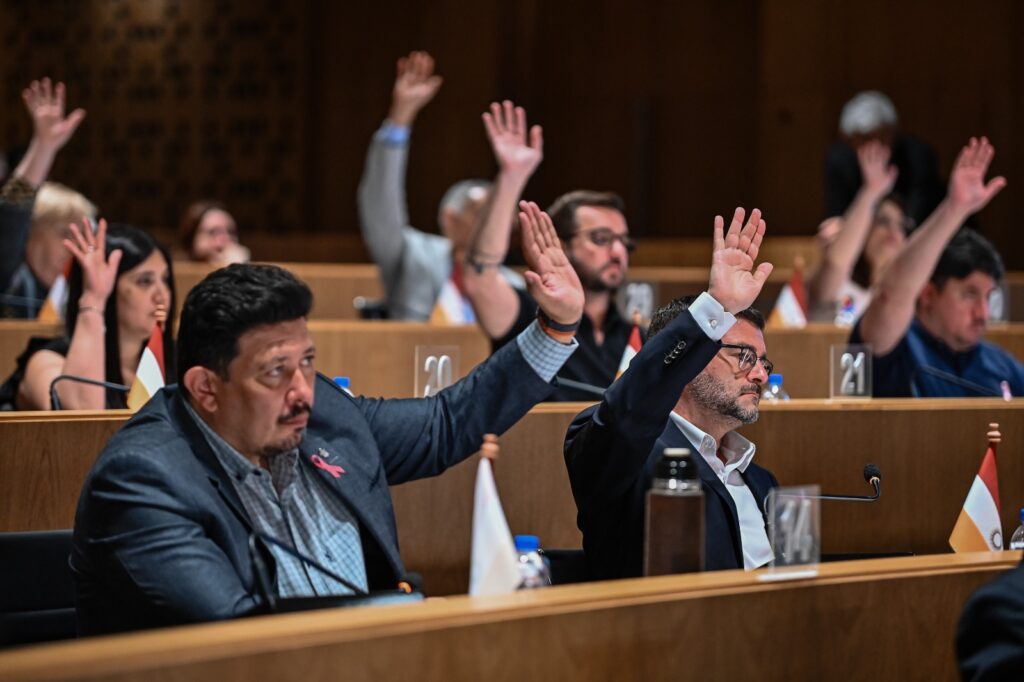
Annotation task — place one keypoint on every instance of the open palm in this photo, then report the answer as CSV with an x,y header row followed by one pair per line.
x,y
551,279
967,187
734,281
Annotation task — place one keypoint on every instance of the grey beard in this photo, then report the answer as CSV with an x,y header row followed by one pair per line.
x,y
711,395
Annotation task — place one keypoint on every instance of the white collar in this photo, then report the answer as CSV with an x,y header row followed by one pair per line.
x,y
738,450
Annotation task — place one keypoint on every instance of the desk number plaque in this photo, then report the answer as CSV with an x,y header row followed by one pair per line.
x,y
436,369
794,531
851,371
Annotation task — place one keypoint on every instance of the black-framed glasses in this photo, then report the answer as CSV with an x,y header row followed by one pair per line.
x,y
747,358
603,236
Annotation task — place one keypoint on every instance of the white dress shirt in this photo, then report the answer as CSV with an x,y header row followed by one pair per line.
x,y
738,452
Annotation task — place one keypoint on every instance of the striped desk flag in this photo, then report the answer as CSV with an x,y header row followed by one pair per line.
x,y
978,528
791,306
452,306
52,311
149,377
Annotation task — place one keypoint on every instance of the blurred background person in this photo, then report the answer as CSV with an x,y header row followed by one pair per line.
x,y
208,233
871,116
34,215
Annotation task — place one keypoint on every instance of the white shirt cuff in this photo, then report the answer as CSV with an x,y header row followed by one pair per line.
x,y
711,316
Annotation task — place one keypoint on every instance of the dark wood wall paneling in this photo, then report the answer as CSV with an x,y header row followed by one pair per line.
x,y
687,109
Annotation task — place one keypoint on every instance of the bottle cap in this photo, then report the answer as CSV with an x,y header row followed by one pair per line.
x,y
774,379
1022,517
527,543
341,382
676,463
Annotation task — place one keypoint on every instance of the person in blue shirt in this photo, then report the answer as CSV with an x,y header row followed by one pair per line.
x,y
930,309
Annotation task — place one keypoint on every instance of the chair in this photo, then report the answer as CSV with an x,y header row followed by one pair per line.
x,y
37,600
567,566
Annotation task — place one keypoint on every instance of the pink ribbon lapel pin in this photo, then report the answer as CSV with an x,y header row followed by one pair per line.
x,y
319,462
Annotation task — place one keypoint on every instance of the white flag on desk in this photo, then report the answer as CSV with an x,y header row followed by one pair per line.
x,y
494,566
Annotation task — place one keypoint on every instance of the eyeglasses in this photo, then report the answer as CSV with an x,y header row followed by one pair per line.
x,y
603,236
747,358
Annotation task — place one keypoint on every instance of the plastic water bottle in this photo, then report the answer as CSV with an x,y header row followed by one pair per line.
x,y
534,567
343,384
775,390
1017,541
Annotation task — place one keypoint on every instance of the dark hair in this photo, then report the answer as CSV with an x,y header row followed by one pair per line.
x,y
966,253
136,246
191,219
563,210
666,313
229,302
862,269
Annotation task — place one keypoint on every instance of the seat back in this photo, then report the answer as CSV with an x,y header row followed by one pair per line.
x,y
37,598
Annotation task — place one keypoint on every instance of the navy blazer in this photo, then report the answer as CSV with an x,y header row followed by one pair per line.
x,y
162,538
611,450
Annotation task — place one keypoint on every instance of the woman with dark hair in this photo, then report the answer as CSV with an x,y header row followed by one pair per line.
x,y
857,246
121,285
209,233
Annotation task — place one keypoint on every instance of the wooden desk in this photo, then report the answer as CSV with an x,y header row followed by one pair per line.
x,y
928,452
14,336
884,619
802,356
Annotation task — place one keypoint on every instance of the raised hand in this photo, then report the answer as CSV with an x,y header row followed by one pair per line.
x,y
878,176
99,273
45,104
734,282
415,85
551,279
967,189
507,131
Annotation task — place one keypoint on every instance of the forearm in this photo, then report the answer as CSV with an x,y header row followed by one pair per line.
x,y
893,299
840,255
381,198
495,302
35,165
491,240
86,358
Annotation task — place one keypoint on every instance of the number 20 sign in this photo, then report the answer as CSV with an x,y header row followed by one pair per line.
x,y
851,371
436,369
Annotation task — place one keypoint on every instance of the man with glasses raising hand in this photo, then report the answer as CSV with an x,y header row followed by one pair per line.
x,y
696,380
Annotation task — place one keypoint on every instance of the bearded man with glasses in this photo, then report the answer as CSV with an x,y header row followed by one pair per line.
x,y
697,379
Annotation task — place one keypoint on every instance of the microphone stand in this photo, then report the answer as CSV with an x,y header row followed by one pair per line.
x,y
55,401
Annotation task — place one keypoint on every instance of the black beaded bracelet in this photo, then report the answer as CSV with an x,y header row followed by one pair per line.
x,y
557,326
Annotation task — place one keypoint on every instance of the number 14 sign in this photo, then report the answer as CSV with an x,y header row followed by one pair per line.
x,y
851,371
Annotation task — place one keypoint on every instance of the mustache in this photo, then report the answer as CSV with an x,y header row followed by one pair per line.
x,y
751,388
299,408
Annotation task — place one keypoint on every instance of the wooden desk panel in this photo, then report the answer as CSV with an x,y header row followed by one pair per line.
x,y
928,452
334,285
14,336
860,621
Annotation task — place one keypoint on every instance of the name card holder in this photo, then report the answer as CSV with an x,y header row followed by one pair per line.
x,y
851,371
436,369
794,531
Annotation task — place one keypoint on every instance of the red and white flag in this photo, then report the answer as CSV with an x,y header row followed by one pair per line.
x,y
149,377
791,306
52,310
630,351
978,528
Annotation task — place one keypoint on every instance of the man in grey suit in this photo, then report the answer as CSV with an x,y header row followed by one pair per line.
x,y
253,443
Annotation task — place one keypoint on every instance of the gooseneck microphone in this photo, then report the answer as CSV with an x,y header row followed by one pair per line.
x,y
977,389
590,389
872,475
55,401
